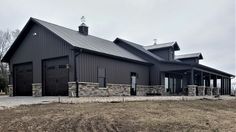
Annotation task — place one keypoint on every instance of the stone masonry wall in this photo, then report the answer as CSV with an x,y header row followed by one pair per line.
x,y
142,90
201,90
118,89
216,91
192,90
88,89
208,91
37,89
72,89
10,90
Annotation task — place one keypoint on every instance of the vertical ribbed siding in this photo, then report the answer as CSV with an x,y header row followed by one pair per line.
x,y
44,45
117,71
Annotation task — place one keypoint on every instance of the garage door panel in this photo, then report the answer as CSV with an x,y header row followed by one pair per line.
x,y
56,77
23,79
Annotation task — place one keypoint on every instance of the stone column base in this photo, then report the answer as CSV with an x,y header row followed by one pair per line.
x,y
208,91
201,90
72,89
37,89
216,91
160,89
10,90
192,90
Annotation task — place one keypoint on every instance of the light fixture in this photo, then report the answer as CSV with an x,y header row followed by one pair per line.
x,y
67,66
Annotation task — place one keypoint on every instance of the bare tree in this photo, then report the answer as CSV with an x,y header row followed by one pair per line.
x,y
6,39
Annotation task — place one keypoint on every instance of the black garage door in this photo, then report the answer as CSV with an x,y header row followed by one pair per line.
x,y
55,76
23,79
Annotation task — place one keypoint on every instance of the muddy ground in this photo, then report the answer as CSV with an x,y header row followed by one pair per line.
x,y
198,115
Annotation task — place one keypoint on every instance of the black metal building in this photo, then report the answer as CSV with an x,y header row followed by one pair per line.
x,y
51,55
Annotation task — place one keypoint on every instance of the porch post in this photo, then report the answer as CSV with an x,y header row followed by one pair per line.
x,y
201,87
201,79
208,85
216,89
230,90
192,87
215,81
222,86
192,77
226,86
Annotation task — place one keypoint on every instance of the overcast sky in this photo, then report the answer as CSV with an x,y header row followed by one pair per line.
x,y
206,26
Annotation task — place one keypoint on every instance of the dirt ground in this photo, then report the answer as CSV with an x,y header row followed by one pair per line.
x,y
198,115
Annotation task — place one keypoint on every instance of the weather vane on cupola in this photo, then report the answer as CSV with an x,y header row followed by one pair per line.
x,y
82,19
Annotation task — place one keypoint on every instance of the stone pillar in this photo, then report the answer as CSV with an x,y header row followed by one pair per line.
x,y
37,89
208,91
201,90
192,90
216,91
10,90
72,89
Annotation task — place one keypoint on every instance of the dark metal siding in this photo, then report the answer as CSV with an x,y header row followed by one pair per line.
x,y
163,53
117,71
44,45
154,69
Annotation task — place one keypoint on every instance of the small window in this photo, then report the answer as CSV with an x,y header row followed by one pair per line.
x,y
102,77
62,66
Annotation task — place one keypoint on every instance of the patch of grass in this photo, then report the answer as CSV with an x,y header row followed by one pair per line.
x,y
198,115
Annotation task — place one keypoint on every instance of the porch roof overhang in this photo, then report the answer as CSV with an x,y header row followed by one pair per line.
x,y
202,68
210,70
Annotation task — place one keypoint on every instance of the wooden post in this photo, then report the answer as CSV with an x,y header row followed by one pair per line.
x,y
192,77
215,81
230,90
222,86
201,79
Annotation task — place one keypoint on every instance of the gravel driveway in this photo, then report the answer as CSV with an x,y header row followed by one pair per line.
x,y
8,102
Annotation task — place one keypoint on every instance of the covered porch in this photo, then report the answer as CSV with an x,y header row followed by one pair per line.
x,y
198,80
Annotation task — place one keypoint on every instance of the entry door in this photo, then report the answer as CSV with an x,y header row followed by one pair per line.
x,y
56,76
23,79
133,84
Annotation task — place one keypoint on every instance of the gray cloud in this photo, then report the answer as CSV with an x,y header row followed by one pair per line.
x,y
206,26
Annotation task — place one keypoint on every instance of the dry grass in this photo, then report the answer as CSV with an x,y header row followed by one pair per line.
x,y
198,115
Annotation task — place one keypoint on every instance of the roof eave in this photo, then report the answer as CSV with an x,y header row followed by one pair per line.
x,y
6,58
222,72
112,56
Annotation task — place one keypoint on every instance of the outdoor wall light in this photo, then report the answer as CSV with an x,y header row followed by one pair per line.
x,y
34,34
67,66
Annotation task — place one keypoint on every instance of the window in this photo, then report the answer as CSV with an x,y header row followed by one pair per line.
x,y
102,77
166,83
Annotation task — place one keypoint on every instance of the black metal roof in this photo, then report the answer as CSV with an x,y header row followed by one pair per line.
x,y
76,39
163,45
140,48
178,62
187,56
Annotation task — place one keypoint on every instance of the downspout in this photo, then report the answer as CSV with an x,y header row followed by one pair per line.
x,y
75,70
